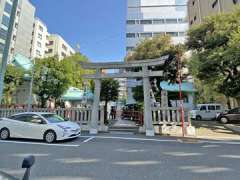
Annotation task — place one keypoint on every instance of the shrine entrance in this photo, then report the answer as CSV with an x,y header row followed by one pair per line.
x,y
145,73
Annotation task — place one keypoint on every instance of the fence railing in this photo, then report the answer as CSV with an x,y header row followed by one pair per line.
x,y
80,115
168,116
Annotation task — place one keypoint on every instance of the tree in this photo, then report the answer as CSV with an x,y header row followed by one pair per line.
x,y
109,92
12,79
154,48
216,59
51,79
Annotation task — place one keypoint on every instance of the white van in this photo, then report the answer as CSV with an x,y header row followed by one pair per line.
x,y
206,111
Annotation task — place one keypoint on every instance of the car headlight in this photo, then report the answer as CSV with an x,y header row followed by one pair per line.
x,y
63,128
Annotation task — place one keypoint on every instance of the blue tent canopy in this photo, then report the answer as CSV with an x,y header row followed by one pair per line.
x,y
186,87
22,62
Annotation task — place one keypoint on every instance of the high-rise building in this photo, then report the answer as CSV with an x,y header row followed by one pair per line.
x,y
39,39
57,46
147,18
22,31
198,9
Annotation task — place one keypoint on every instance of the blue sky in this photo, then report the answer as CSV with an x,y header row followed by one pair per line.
x,y
97,25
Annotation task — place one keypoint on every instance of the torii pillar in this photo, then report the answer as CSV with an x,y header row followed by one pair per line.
x,y
147,103
96,102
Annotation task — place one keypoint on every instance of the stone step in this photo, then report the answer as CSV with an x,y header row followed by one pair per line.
x,y
123,129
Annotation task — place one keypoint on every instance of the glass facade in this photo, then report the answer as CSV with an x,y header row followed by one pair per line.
x,y
8,8
5,20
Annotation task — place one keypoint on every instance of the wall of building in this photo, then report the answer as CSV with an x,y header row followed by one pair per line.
x,y
57,46
148,18
22,33
39,39
199,9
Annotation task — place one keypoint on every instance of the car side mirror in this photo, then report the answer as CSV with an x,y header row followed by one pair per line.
x,y
28,162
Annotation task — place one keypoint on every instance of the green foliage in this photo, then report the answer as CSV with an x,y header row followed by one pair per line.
x,y
109,92
217,57
12,79
53,77
154,48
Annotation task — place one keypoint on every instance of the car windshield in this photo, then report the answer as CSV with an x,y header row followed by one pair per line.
x,y
53,118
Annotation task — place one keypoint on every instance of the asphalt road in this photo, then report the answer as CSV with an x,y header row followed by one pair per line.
x,y
121,158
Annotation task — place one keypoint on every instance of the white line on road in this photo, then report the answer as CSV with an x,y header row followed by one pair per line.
x,y
43,144
89,139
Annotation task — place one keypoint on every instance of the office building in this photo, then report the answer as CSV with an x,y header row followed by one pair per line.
x,y
199,9
147,18
39,39
57,46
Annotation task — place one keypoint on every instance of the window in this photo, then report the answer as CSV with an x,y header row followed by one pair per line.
x,y
8,8
146,35
64,47
53,118
211,108
145,21
214,3
5,20
130,35
181,34
158,33
38,52
158,21
40,28
130,22
16,25
130,48
63,54
14,37
218,107
39,44
49,51
40,36
50,43
3,34
181,20
18,13
171,21
193,3
203,108
174,34
195,18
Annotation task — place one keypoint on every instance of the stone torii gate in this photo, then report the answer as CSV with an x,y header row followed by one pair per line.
x,y
145,74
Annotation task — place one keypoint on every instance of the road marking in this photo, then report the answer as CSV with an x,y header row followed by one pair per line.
x,y
43,144
221,142
89,139
135,139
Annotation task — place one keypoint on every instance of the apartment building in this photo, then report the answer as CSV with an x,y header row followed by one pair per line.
x,y
147,18
22,31
39,39
57,46
198,9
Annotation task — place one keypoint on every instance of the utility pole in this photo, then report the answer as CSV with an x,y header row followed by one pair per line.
x,y
7,47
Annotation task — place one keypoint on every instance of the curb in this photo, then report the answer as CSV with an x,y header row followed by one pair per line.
x,y
233,127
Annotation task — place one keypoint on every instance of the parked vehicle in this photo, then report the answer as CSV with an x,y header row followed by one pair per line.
x,y
232,115
206,111
26,164
43,126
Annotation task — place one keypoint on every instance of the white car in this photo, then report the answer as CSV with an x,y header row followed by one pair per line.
x,y
43,126
206,111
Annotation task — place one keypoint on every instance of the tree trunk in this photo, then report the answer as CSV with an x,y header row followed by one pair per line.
x,y
42,102
228,103
238,101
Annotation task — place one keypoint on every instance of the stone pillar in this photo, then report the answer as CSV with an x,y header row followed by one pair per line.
x,y
147,104
95,108
164,99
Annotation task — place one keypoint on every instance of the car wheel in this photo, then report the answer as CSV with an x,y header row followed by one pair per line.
x,y
198,118
50,136
4,134
223,120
